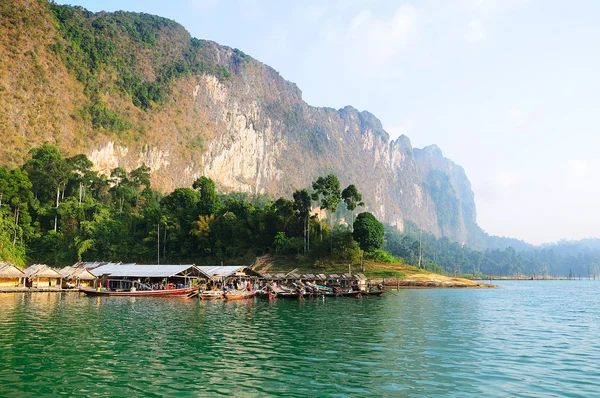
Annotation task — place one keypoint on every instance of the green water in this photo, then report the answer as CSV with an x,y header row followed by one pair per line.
x,y
525,339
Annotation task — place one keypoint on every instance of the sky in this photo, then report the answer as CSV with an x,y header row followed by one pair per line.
x,y
508,89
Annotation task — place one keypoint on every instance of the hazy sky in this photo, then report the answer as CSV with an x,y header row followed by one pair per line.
x,y
509,89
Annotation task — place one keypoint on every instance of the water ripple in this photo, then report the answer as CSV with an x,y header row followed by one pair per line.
x,y
527,339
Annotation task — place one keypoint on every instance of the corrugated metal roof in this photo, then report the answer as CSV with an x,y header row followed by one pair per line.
x,y
221,271
146,271
90,265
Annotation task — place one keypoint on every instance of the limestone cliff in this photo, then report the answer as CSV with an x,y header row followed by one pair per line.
x,y
129,89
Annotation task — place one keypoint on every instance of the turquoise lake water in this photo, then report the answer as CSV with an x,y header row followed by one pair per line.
x,y
526,339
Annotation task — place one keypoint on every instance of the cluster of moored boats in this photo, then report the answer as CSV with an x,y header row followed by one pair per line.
x,y
297,292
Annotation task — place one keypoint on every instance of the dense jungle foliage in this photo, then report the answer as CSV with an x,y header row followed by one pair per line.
x,y
57,210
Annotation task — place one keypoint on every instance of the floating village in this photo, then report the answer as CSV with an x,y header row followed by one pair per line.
x,y
204,282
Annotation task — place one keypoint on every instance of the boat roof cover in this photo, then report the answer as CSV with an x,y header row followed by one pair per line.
x,y
147,271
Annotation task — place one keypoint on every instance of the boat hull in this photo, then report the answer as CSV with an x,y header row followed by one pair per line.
x,y
378,293
211,296
237,296
343,294
141,293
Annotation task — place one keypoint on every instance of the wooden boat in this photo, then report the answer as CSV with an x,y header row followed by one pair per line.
x,y
211,295
243,295
287,295
153,293
374,293
343,294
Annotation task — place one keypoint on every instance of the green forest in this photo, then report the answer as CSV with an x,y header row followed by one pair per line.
x,y
58,211
562,259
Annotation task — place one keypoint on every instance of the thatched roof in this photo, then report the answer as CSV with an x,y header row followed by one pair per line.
x,y
8,270
70,273
321,277
227,271
360,277
41,271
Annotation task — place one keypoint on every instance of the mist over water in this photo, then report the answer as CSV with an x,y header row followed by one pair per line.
x,y
528,338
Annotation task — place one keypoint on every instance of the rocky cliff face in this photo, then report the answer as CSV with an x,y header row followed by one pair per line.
x,y
226,116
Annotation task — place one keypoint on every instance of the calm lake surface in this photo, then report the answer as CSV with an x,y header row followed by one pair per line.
x,y
528,338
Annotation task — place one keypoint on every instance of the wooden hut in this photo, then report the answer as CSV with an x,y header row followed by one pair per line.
x,y
333,280
41,276
117,276
74,277
361,280
10,276
220,273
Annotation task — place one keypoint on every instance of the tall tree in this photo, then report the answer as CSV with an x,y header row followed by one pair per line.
x,y
284,210
48,172
352,198
209,202
368,232
327,191
302,205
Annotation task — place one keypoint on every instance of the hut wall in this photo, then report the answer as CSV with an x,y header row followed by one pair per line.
x,y
9,282
44,282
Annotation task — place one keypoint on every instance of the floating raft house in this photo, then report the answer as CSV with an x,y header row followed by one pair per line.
x,y
41,276
11,276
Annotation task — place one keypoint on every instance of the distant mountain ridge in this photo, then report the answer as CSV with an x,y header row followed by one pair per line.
x,y
128,89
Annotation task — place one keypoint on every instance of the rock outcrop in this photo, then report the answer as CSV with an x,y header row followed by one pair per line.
x,y
221,114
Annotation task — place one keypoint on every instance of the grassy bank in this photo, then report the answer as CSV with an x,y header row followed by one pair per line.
x,y
392,274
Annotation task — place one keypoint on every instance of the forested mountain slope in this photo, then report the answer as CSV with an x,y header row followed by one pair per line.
x,y
129,89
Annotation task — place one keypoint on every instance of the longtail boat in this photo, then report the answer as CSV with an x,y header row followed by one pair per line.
x,y
375,293
289,295
211,295
153,293
239,295
343,294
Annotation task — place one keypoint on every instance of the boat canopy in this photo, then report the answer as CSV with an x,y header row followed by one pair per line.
x,y
149,271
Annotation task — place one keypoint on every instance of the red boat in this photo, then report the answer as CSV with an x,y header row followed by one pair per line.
x,y
154,293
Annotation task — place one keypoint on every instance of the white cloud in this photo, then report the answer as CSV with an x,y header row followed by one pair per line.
x,y
475,31
313,12
203,5
368,43
505,180
577,168
251,9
